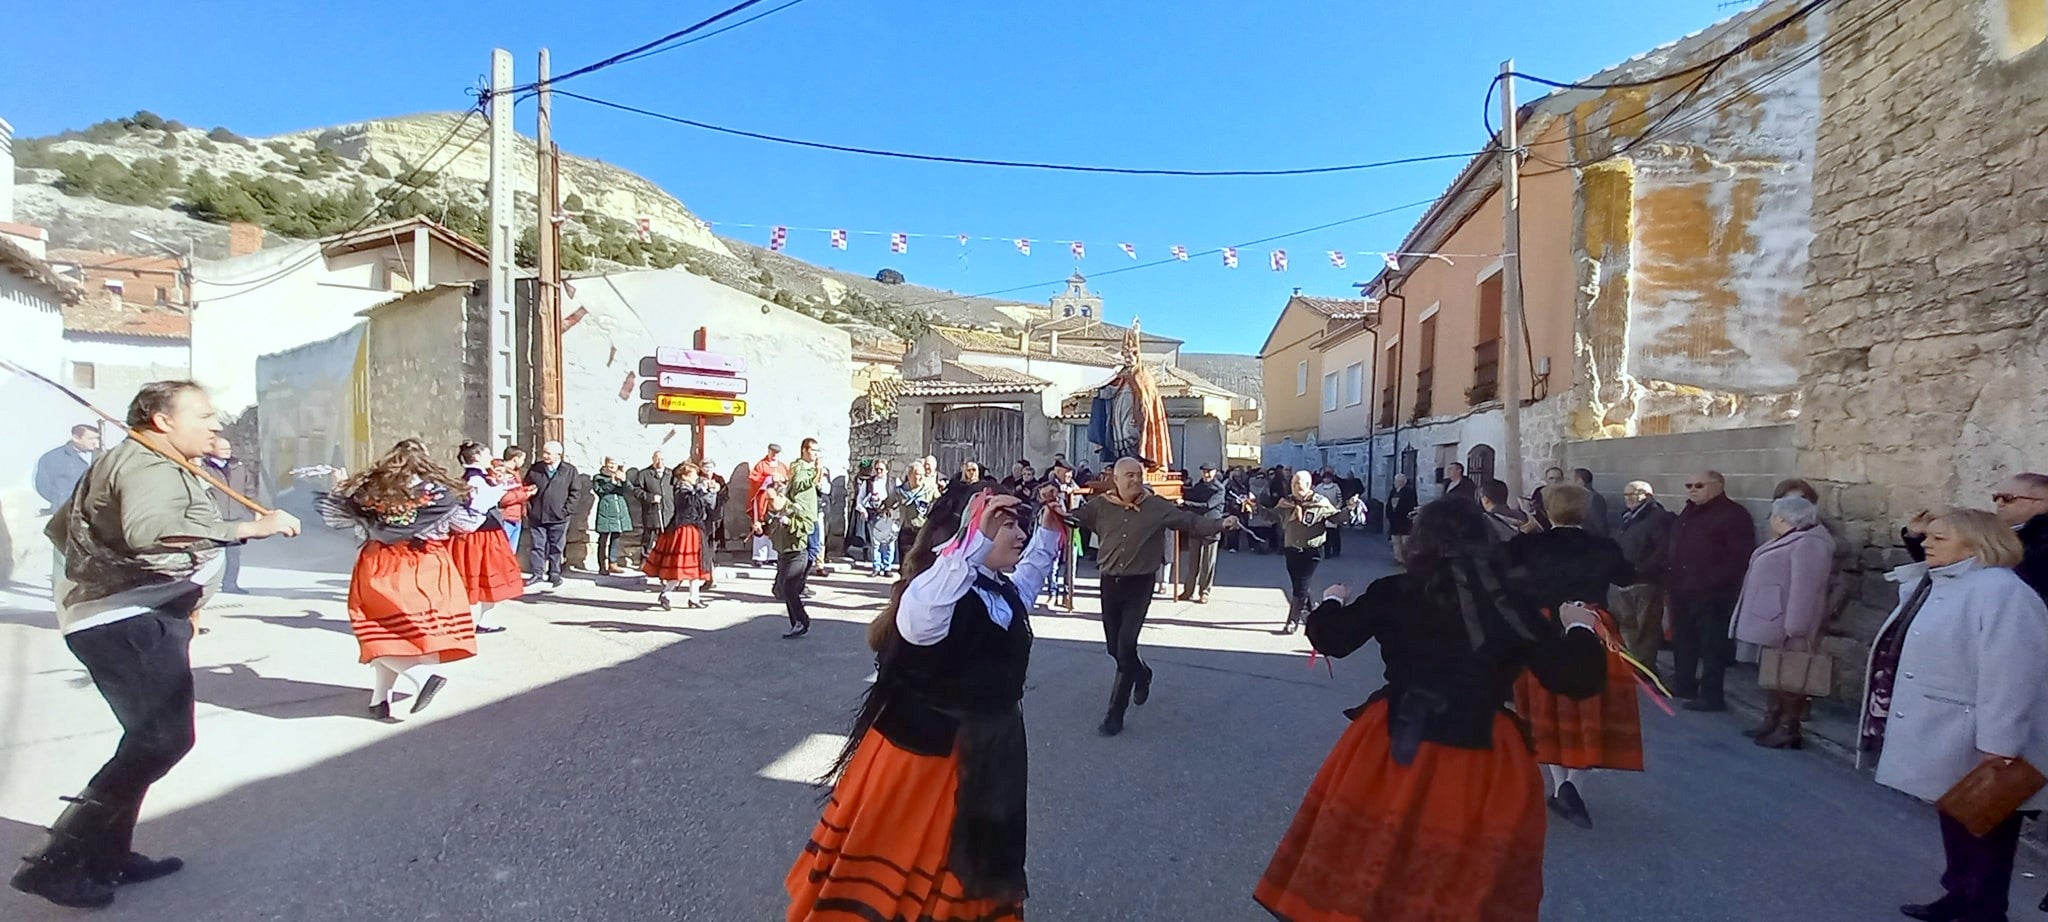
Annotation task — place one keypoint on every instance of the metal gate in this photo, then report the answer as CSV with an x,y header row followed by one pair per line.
x,y
988,435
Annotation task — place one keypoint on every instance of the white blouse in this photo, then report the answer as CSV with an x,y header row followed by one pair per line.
x,y
925,613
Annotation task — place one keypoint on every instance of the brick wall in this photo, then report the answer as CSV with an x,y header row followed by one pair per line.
x,y
1925,281
1753,460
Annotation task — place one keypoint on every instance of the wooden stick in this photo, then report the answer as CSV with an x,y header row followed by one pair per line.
x,y
149,440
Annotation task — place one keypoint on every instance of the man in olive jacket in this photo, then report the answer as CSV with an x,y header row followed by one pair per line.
x,y
1130,523
141,541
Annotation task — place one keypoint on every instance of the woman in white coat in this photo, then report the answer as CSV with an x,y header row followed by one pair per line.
x,y
1956,678
1784,603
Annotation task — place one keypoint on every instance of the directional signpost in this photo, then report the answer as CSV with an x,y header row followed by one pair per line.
x,y
694,387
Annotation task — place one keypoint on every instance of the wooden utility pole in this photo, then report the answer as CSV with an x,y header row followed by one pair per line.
x,y
701,342
547,258
1511,282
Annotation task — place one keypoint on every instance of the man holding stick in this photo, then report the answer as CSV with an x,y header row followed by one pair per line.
x,y
142,544
1130,524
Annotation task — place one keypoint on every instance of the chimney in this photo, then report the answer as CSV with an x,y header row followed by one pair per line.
x,y
244,238
1054,346
1297,292
1024,341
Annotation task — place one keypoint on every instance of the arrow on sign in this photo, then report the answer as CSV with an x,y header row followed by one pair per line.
x,y
712,384
704,406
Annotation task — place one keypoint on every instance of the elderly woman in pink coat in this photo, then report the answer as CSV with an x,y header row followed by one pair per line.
x,y
1784,602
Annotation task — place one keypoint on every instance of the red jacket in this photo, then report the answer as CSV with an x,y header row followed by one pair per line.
x,y
513,507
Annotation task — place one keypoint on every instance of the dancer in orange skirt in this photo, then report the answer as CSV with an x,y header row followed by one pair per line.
x,y
406,601
490,571
1569,564
678,555
1429,807
926,821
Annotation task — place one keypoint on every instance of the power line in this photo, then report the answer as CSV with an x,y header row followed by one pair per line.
x,y
647,48
711,34
411,181
1212,251
1020,164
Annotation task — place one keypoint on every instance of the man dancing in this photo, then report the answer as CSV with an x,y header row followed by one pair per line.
x,y
141,542
1130,523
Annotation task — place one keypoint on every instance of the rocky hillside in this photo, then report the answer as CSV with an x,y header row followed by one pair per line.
x,y
183,185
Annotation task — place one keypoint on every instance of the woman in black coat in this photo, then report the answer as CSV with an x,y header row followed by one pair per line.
x,y
1552,568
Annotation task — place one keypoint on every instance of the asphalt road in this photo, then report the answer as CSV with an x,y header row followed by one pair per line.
x,y
604,760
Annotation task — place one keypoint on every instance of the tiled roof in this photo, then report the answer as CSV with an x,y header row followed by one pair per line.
x,y
932,387
969,373
890,353
1330,307
1093,328
111,316
1005,344
102,259
12,256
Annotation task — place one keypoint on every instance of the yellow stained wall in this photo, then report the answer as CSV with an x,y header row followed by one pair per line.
x,y
1289,415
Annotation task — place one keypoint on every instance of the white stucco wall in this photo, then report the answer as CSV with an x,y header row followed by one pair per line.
x,y
39,418
245,308
799,370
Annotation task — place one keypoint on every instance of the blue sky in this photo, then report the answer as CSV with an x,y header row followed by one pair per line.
x,y
1201,84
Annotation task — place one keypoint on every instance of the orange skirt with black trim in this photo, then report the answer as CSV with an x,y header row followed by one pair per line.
x,y
677,555
1455,834
1604,731
409,601
879,852
490,573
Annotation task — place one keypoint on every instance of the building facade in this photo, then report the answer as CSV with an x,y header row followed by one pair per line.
x,y
1923,343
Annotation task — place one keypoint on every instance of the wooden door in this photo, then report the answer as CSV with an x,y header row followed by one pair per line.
x,y
992,436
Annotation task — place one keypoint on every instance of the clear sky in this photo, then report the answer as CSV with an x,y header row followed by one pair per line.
x,y
1198,84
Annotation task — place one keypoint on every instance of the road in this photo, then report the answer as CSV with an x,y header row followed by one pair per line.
x,y
605,760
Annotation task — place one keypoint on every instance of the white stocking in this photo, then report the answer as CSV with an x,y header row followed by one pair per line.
x,y
668,585
1577,776
384,678
693,584
415,669
1553,777
479,613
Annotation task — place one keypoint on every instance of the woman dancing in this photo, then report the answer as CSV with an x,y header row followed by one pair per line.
x,y
678,555
1429,807
406,602
490,571
927,818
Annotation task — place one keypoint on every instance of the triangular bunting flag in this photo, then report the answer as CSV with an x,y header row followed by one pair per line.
x,y
1024,246
1129,250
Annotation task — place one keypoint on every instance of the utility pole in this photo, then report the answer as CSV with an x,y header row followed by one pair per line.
x,y
548,287
502,357
1511,282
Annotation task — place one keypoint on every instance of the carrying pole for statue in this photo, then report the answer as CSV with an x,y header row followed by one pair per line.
x,y
149,440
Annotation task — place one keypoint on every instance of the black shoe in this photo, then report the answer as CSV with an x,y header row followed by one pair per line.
x,y
137,868
1946,909
68,886
380,711
796,632
1703,705
663,601
555,583
1112,724
427,693
534,581
699,603
1572,807
1143,691
490,628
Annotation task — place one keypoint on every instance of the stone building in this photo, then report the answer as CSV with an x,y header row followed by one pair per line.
x,y
1924,339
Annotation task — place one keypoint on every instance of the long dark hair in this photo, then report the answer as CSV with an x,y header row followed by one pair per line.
x,y
1459,567
388,484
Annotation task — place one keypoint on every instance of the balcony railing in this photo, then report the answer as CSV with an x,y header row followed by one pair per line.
x,y
1485,373
1424,381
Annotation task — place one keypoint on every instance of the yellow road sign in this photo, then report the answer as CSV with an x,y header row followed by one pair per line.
x,y
706,406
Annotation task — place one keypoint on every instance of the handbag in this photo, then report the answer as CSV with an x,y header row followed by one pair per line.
x,y
1796,672
1990,793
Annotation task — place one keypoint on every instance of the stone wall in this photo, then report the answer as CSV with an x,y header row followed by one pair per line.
x,y
1752,460
1926,285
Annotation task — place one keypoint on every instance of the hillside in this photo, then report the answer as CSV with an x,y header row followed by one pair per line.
x,y
183,185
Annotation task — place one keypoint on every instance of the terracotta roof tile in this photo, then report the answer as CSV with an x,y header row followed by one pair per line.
x,y
111,316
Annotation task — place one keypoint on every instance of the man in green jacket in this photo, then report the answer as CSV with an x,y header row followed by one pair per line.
x,y
1130,523
142,543
789,529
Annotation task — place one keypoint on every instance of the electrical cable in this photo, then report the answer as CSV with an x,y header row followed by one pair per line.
x,y
711,34
630,53
1021,164
1174,259
411,181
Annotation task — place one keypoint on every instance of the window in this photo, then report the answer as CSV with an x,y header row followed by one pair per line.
x,y
1330,392
2026,25
1390,390
1301,379
163,296
83,375
1479,464
1425,369
1354,384
1486,352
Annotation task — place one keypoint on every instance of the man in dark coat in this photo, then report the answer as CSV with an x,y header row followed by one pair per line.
x,y
1457,484
651,489
1204,497
1707,558
59,469
1645,538
1596,517
2021,502
557,489
240,477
